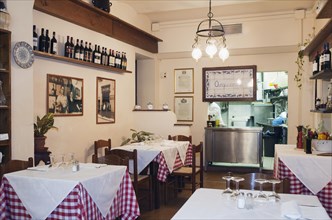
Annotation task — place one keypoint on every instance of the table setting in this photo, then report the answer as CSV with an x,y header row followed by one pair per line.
x,y
68,188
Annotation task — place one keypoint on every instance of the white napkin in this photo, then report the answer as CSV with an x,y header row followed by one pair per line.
x,y
290,210
40,168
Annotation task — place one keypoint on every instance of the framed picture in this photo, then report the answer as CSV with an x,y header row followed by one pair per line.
x,y
64,95
237,83
184,80
105,101
184,108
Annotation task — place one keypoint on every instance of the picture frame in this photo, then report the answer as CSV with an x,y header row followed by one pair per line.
x,y
184,80
64,95
105,101
233,83
184,108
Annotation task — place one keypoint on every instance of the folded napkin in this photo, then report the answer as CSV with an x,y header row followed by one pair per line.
x,y
40,168
290,210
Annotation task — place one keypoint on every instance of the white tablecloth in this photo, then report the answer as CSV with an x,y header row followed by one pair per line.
x,y
147,151
42,190
315,172
210,204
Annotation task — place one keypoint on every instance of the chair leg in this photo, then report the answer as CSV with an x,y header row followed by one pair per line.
x,y
193,183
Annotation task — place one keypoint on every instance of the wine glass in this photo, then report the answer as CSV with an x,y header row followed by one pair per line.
x,y
228,189
274,195
237,181
261,196
63,163
52,161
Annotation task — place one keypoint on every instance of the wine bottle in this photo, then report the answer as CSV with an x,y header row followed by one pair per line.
x,y
105,57
117,60
35,38
322,57
315,64
110,58
327,57
102,56
54,44
86,52
67,47
42,41
90,53
47,43
124,61
81,51
72,51
77,50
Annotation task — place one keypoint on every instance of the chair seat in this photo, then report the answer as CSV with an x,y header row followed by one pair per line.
x,y
184,171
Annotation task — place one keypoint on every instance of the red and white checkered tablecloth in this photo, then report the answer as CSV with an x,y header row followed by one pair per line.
x,y
296,186
163,170
77,205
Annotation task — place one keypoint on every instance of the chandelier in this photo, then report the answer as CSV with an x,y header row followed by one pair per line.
x,y
213,31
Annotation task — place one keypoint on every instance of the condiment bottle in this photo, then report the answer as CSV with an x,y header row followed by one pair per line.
x,y
241,202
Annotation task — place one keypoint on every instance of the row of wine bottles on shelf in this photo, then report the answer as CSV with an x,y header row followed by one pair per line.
x,y
322,60
79,51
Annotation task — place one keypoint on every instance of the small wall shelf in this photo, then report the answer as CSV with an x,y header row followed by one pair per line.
x,y
323,75
151,110
80,62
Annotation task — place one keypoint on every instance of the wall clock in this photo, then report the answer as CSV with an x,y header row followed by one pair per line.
x,y
23,54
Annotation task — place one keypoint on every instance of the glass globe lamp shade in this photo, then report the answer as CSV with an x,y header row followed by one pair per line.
x,y
211,49
196,53
223,53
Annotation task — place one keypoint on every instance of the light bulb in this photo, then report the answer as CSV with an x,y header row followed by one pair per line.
x,y
223,53
196,53
211,49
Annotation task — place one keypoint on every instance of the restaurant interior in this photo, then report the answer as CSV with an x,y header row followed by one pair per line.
x,y
113,109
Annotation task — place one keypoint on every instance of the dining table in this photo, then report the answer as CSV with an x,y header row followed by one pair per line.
x,y
308,174
90,191
206,203
162,157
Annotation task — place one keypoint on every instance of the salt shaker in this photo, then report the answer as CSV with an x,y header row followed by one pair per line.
x,y
241,202
249,201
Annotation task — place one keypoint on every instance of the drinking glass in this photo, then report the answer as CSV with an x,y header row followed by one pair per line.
x,y
63,163
228,189
261,196
237,181
274,195
52,160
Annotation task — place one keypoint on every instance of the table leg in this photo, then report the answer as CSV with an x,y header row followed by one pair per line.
x,y
155,185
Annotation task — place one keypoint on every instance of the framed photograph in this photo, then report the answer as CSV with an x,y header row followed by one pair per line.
x,y
64,95
237,83
184,80
184,108
105,101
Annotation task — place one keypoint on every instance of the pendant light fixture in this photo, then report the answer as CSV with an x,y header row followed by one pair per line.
x,y
211,32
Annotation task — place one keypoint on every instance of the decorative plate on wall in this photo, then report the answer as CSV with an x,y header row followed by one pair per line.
x,y
23,54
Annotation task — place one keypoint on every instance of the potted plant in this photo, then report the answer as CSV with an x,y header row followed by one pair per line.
x,y
138,136
41,127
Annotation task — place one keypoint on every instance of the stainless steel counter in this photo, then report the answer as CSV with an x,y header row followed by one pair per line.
x,y
233,145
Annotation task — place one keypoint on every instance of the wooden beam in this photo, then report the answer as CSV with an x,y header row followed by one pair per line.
x,y
90,17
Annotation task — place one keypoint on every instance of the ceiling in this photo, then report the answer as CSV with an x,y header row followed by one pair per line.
x,y
174,10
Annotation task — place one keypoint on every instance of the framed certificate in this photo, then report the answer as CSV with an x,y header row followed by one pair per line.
x,y
184,108
184,80
237,83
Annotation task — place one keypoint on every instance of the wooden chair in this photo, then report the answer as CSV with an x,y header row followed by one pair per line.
x,y
190,172
249,182
112,159
107,144
180,138
138,180
15,165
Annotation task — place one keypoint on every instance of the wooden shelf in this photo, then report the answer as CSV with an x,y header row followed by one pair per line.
x,y
324,35
323,75
151,110
326,11
80,62
86,15
321,111
4,143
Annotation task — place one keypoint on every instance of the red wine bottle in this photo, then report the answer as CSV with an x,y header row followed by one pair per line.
x,y
35,38
54,44
67,47
42,41
47,43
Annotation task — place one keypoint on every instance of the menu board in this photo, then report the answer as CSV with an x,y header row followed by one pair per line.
x,y
235,83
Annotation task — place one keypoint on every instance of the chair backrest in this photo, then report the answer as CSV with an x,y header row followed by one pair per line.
x,y
180,138
107,144
197,151
113,159
131,155
16,165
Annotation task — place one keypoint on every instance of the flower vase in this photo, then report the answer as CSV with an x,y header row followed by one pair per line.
x,y
299,140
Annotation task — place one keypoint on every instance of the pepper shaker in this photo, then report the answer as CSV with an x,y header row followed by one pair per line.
x,y
241,201
249,201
